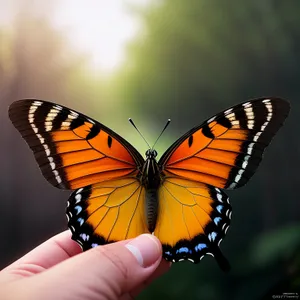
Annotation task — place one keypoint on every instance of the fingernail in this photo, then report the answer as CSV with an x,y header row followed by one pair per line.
x,y
146,249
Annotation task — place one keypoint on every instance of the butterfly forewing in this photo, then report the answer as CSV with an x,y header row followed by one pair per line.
x,y
71,149
226,150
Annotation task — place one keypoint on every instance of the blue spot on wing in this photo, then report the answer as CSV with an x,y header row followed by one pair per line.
x,y
80,220
212,236
78,209
217,220
183,250
200,246
219,208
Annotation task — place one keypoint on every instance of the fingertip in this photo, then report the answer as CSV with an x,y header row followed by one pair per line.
x,y
146,249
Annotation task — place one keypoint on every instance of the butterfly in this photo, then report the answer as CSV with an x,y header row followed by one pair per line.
x,y
119,195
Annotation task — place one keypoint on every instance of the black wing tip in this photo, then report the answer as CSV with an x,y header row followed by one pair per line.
x,y
23,102
17,108
282,103
272,98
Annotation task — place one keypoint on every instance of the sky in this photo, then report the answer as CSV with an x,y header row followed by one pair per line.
x,y
98,28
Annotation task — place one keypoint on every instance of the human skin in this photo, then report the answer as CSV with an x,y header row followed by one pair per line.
x,y
58,269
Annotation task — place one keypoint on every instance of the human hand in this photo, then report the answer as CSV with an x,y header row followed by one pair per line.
x,y
57,269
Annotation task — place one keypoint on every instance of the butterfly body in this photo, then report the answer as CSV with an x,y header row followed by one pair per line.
x,y
117,194
151,180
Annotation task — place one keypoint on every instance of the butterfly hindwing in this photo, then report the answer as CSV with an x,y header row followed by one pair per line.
x,y
106,212
192,219
226,150
71,149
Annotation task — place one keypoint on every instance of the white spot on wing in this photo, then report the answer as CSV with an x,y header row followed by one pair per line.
x,y
57,177
266,101
235,123
32,109
73,114
58,107
250,124
263,127
250,148
78,198
34,128
42,140
226,229
231,116
228,111
79,190
219,197
46,149
66,124
232,185
247,104
256,136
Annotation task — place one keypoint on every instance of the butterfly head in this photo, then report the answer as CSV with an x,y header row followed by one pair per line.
x,y
151,153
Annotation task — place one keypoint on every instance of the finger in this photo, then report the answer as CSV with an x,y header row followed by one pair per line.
x,y
50,253
105,272
53,251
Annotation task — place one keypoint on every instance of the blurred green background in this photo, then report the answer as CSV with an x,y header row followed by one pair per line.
x,y
154,60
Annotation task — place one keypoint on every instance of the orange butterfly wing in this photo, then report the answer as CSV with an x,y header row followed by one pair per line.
x,y
71,149
193,218
76,152
107,212
223,152
226,150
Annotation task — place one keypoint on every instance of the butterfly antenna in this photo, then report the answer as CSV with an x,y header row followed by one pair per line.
x,y
132,123
167,124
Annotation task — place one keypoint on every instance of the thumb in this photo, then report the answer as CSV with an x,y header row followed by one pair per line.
x,y
105,272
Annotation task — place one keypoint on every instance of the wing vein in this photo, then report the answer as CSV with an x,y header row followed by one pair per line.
x,y
137,202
